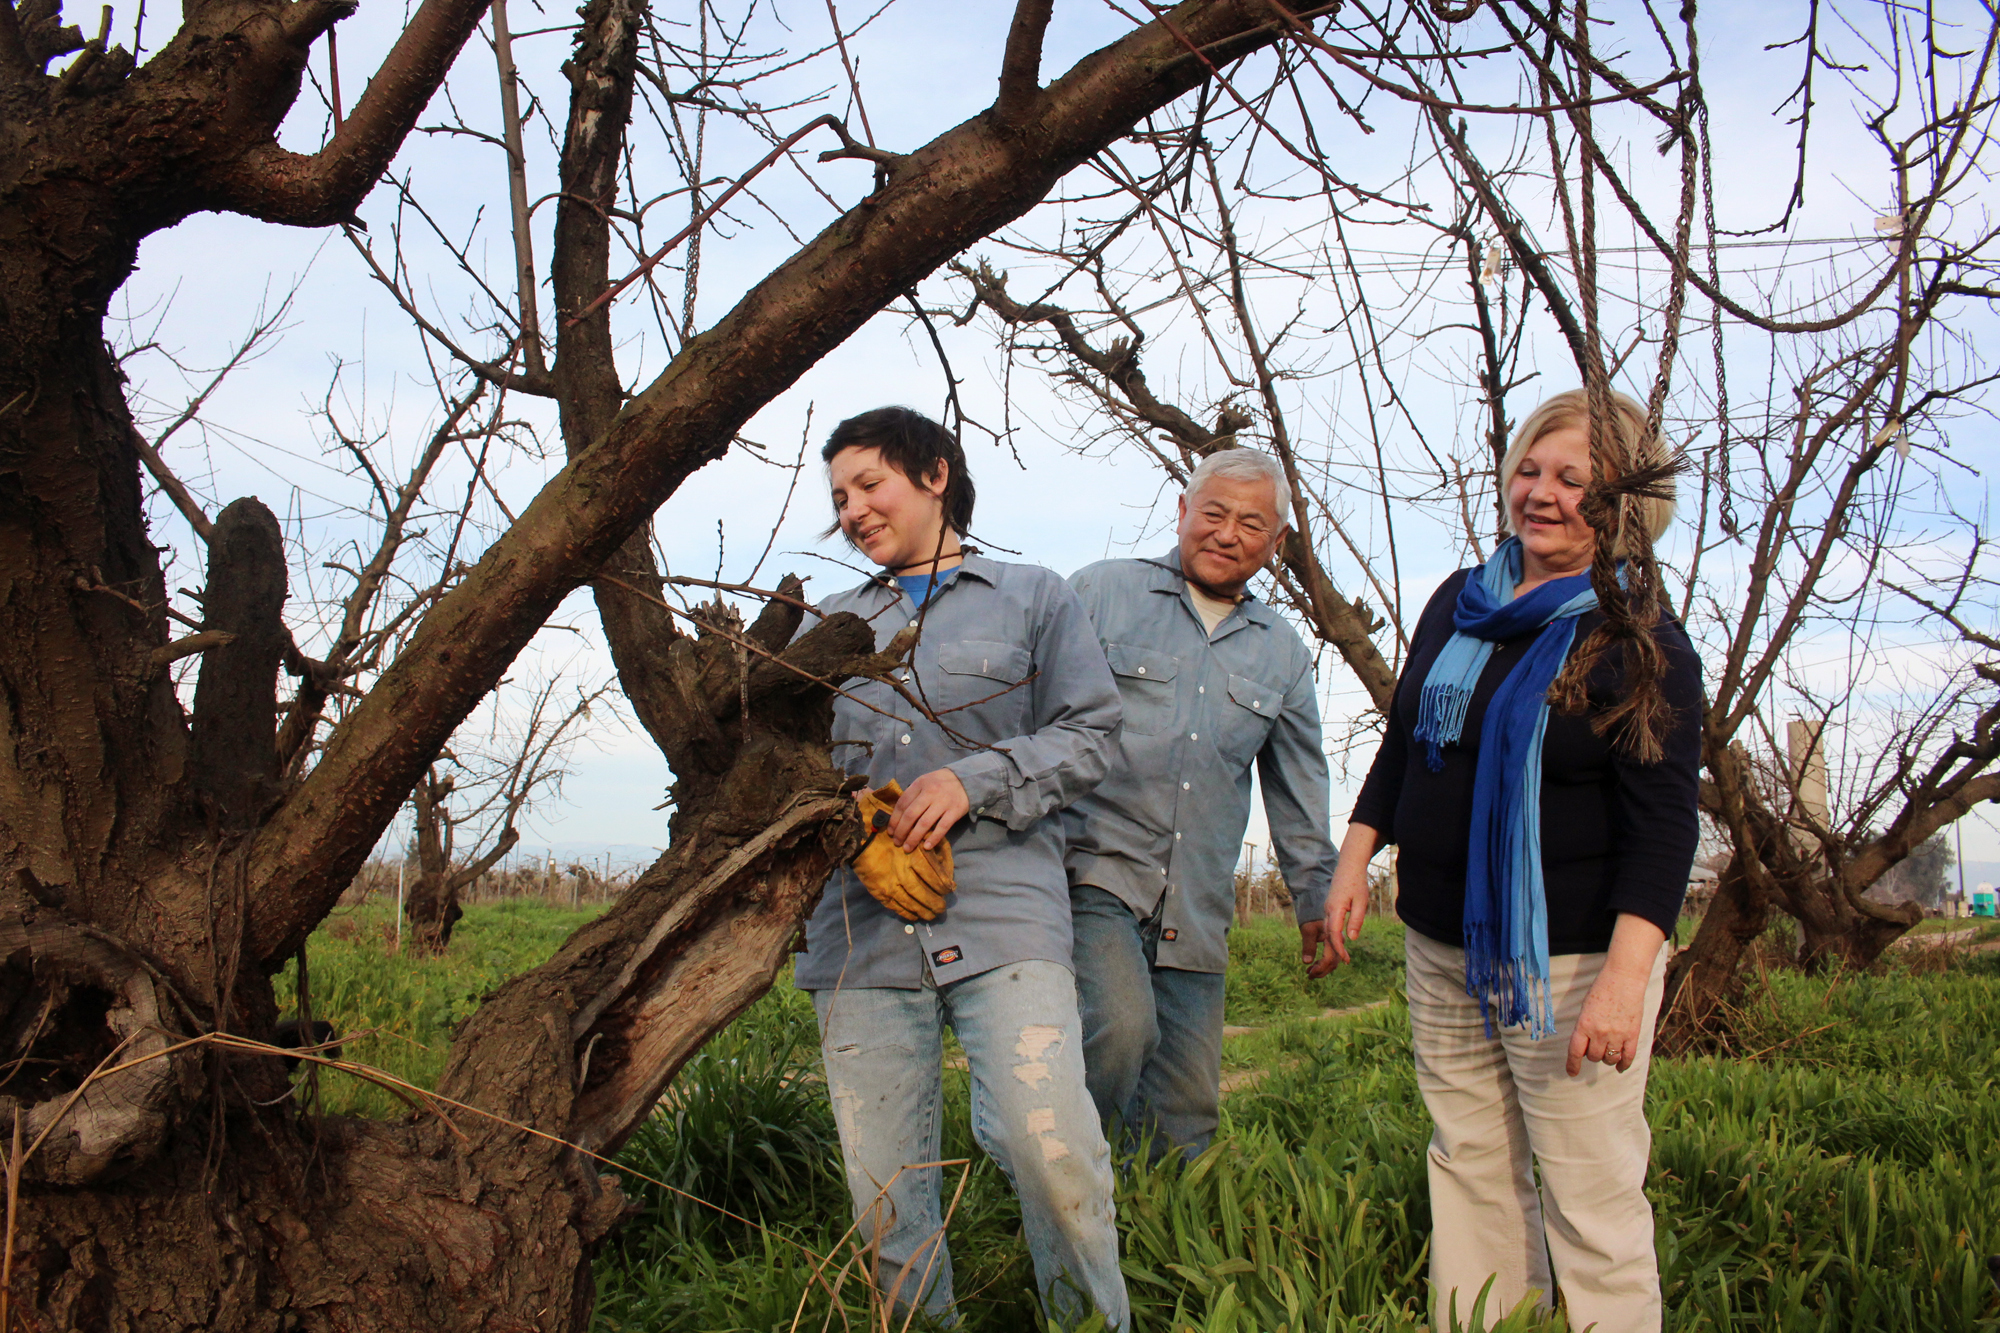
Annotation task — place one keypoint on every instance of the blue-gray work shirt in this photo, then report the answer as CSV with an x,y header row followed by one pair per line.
x,y
1165,829
1007,658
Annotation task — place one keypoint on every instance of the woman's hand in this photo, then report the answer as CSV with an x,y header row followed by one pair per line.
x,y
1614,1012
927,810
1346,904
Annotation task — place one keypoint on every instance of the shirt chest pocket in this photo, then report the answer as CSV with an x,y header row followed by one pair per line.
x,y
981,688
1246,720
1145,687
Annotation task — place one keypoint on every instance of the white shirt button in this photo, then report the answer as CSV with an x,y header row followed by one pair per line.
x,y
1194,736
1201,689
1185,786
1142,671
905,739
1177,835
1256,703
913,624
909,930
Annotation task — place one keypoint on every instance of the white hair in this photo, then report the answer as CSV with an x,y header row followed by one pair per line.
x,y
1249,464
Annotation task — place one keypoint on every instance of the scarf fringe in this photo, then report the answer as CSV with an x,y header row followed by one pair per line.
x,y
1441,709
1509,986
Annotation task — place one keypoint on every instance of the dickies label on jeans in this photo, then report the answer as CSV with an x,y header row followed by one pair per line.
x,y
1170,935
950,954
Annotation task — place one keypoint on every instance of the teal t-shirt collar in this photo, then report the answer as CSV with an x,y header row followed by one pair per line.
x,y
922,587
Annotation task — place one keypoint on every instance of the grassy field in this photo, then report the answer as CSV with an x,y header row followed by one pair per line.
x,y
405,1006
1972,927
1841,1175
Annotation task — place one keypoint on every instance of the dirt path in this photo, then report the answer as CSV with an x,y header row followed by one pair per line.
x,y
1951,939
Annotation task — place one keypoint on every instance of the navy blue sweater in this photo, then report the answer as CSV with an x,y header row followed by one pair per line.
x,y
1617,835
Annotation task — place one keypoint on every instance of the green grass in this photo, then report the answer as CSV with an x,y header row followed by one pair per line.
x,y
1265,982
1841,1178
1974,929
1841,1175
407,1007
1266,989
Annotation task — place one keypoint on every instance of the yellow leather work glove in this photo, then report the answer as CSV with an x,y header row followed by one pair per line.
x,y
910,884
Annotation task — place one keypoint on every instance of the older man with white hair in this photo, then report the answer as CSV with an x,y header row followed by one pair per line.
x,y
1212,681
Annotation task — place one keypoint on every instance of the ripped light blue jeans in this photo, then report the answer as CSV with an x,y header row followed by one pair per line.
x,y
1030,1110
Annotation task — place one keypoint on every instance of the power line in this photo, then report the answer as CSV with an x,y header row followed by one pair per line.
x,y
1652,249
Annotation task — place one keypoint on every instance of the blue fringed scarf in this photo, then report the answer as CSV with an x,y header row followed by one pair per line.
x,y
1506,910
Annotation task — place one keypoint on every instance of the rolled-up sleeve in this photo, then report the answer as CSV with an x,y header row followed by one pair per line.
x,y
1292,770
1075,710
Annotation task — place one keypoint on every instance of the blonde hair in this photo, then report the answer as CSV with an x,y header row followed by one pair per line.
x,y
1633,446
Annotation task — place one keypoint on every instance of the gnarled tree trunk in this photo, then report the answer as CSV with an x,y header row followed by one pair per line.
x,y
431,905
470,1218
1777,867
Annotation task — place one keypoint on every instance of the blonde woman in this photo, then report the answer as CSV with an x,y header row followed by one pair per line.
x,y
1540,867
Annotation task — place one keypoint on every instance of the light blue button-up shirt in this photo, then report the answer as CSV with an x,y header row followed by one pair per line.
x,y
1165,828
1008,660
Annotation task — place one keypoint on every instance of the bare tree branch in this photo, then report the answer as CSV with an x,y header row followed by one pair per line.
x,y
1021,66
278,185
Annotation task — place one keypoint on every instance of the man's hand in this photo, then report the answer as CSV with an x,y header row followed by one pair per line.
x,y
927,810
1312,948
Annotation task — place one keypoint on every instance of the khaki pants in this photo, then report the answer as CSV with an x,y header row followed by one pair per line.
x,y
1503,1106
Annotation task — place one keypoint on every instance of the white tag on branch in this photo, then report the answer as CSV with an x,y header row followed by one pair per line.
x,y
1892,433
1889,224
1491,273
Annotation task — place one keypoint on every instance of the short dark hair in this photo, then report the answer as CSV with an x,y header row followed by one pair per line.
x,y
914,445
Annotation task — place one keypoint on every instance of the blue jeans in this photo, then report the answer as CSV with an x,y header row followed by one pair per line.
x,y
1023,1044
1152,1036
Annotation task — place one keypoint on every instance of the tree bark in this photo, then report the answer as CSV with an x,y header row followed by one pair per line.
x,y
1704,982
475,1218
431,904
1776,868
1833,932
233,755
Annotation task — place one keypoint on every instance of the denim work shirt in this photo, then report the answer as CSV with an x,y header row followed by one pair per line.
x,y
1164,831
1007,658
